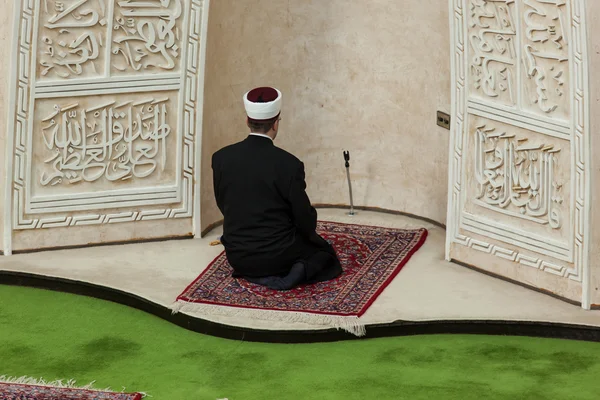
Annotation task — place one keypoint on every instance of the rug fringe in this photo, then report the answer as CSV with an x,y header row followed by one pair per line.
x,y
349,324
59,383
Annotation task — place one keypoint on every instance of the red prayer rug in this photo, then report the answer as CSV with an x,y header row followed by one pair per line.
x,y
26,391
370,256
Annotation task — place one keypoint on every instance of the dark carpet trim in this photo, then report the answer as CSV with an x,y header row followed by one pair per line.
x,y
104,244
210,227
398,328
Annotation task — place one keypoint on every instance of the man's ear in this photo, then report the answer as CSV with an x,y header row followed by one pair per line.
x,y
248,122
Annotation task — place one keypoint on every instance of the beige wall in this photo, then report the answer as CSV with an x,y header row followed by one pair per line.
x,y
593,21
364,76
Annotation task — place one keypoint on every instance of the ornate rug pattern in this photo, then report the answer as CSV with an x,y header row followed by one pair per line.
x,y
370,256
19,391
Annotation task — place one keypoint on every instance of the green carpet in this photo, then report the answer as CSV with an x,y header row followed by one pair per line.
x,y
55,335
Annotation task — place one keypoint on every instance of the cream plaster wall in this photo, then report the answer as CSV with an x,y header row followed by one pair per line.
x,y
593,23
363,76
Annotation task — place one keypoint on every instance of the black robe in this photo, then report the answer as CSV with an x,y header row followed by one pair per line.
x,y
269,222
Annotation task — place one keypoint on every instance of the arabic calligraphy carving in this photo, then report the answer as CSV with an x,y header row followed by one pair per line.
x,y
516,177
146,36
546,55
523,64
69,41
116,141
492,38
547,88
99,157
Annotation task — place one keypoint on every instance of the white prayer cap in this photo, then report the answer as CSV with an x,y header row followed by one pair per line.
x,y
263,103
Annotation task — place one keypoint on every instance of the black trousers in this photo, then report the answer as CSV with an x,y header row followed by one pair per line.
x,y
306,261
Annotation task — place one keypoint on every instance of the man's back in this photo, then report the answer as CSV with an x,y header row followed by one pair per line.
x,y
260,190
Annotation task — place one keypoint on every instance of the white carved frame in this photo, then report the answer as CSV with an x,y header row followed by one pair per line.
x,y
24,91
577,132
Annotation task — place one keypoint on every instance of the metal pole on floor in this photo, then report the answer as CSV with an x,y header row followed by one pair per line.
x,y
347,159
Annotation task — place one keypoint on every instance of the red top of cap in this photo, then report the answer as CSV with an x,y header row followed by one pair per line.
x,y
262,95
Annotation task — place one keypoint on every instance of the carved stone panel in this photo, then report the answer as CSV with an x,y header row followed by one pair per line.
x,y
71,39
520,161
519,182
494,45
145,38
545,48
518,55
106,100
104,142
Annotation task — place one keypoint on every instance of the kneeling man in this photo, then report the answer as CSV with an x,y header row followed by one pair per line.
x,y
269,223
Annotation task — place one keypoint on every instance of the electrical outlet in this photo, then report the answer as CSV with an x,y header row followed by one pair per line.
x,y
443,120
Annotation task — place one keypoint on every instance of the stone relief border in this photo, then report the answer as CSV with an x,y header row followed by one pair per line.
x,y
16,153
579,143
